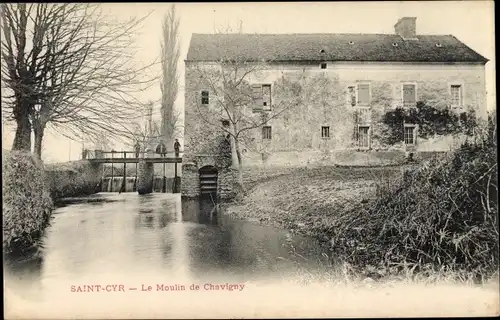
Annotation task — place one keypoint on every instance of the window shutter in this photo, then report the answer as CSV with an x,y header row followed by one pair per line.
x,y
351,96
409,94
364,93
456,95
257,96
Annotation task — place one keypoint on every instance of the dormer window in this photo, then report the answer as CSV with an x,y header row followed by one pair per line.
x,y
351,42
439,45
394,44
322,51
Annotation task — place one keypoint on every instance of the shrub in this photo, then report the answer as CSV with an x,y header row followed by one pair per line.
x,y
431,121
72,179
440,216
27,205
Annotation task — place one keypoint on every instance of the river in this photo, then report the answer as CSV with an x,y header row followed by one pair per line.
x,y
152,251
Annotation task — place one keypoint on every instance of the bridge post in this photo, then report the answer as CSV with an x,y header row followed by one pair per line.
x,y
124,181
112,172
164,180
145,176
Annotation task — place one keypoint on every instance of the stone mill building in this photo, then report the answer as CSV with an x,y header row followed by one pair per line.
x,y
338,75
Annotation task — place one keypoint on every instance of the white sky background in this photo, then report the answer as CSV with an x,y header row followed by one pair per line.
x,y
472,22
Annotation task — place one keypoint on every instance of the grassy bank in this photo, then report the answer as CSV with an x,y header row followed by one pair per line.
x,y
307,200
438,219
27,204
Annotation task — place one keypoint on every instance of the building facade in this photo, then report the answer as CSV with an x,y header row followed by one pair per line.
x,y
324,95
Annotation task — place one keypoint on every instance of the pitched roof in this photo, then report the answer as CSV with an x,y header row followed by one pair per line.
x,y
330,47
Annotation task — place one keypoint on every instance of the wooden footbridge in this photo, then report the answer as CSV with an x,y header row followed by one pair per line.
x,y
132,157
137,157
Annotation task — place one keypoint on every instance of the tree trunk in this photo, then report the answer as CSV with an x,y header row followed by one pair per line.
x,y
240,164
38,130
22,139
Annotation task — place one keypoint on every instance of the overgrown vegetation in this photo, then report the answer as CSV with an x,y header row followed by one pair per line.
x,y
72,179
441,217
430,120
27,204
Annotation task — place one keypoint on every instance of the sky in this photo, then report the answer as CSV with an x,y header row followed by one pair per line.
x,y
472,22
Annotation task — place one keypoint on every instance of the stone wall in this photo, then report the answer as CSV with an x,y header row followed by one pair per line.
x,y
296,134
326,104
225,183
190,186
145,177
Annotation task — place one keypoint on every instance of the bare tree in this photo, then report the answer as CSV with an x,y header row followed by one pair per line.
x,y
79,76
170,52
236,106
144,128
105,143
19,70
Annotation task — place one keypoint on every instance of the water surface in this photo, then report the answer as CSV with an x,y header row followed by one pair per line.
x,y
160,238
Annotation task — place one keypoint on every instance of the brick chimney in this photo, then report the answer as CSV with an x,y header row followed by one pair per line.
x,y
406,27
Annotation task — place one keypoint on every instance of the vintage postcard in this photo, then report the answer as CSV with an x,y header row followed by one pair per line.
x,y
249,160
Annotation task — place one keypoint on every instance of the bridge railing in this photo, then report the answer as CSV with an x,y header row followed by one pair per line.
x,y
99,154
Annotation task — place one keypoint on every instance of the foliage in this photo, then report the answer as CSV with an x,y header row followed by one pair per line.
x,y
27,205
440,216
430,120
72,179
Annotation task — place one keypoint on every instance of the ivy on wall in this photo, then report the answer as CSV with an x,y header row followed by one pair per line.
x,y
431,121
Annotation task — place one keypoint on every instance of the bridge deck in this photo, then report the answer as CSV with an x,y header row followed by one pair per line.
x,y
99,156
136,160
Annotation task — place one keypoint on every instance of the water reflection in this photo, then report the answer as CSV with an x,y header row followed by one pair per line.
x,y
161,235
202,211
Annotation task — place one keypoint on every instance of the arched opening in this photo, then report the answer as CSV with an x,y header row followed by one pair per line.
x,y
208,181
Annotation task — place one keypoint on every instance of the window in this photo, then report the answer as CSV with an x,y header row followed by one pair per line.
x,y
325,132
410,134
363,94
409,95
456,95
204,97
323,65
351,95
225,123
364,136
261,94
359,95
266,133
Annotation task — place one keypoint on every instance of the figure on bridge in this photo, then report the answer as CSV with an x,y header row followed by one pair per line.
x,y
137,149
161,149
177,147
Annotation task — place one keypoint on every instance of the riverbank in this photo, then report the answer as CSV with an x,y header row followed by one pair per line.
x,y
27,204
31,190
305,200
437,220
